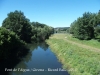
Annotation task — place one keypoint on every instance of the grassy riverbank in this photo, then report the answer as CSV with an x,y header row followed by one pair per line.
x,y
76,59
93,43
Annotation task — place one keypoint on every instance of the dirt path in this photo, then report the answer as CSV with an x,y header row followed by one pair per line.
x,y
75,43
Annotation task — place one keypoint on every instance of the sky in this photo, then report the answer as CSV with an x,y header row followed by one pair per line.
x,y
55,13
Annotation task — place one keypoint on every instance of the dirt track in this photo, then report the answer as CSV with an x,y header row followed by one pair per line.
x,y
64,37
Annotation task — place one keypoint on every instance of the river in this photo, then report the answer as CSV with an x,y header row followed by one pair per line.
x,y
39,61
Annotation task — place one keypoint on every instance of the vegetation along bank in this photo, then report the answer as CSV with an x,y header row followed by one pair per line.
x,y
76,59
79,50
15,33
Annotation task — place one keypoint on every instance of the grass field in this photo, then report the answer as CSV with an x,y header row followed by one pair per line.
x,y
76,59
93,43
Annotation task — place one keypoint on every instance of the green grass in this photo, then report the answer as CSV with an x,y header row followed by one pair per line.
x,y
93,43
77,60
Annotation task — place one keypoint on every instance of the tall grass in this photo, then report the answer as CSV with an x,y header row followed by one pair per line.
x,y
93,43
76,60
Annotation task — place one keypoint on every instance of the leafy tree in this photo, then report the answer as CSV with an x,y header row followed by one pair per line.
x,y
72,27
83,27
40,31
16,31
18,23
97,25
9,44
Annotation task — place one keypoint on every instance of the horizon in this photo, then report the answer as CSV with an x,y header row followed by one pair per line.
x,y
55,13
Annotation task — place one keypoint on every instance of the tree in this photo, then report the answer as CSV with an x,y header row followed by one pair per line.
x,y
97,25
9,44
72,27
41,31
18,23
83,27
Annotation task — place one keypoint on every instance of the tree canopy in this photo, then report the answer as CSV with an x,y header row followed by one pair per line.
x,y
86,27
9,44
26,30
18,23
17,31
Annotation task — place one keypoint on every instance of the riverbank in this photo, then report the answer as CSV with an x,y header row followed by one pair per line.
x,y
77,60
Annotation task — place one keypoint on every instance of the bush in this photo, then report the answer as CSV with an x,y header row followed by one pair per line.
x,y
9,44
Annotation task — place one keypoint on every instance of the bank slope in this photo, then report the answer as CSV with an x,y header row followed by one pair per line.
x,y
76,60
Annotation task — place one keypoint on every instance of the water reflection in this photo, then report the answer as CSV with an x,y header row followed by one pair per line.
x,y
22,65
39,57
12,62
44,46
28,57
33,46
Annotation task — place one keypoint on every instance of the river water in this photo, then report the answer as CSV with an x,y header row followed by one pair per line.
x,y
39,61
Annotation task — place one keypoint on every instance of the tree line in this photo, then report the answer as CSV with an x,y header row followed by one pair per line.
x,y
86,27
61,29
16,31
